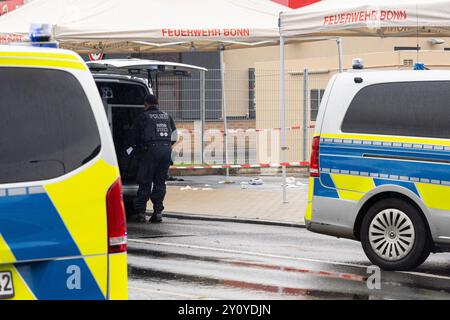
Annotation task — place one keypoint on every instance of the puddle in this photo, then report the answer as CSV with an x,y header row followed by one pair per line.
x,y
215,283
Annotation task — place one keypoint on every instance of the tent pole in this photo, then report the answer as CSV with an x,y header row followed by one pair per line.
x,y
203,111
283,118
341,62
224,110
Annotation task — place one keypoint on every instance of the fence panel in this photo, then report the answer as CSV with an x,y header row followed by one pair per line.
x,y
253,114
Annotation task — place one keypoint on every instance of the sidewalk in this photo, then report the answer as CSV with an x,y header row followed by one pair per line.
x,y
205,196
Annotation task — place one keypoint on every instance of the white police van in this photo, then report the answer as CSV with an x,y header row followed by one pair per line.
x,y
380,164
63,230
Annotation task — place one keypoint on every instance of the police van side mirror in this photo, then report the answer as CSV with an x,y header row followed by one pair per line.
x,y
359,80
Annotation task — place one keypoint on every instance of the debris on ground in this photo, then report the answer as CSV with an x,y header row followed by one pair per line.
x,y
256,182
244,184
290,180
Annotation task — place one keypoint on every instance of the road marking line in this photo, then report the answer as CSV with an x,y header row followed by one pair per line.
x,y
164,292
266,255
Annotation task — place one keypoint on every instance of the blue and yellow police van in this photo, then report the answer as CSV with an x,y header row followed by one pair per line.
x,y
380,164
62,222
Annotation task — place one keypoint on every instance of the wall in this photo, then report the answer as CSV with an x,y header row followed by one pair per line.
x,y
321,59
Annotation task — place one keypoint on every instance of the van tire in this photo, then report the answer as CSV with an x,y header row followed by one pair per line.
x,y
376,241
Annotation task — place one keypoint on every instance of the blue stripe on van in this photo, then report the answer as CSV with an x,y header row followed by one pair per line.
x,y
410,169
360,150
322,191
33,228
59,280
408,185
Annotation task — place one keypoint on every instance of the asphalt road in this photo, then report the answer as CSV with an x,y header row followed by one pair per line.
x,y
186,259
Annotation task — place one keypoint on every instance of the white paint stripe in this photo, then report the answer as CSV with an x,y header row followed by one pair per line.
x,y
266,255
17,192
176,294
36,190
435,276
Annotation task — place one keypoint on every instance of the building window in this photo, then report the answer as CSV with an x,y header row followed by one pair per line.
x,y
408,63
251,94
316,96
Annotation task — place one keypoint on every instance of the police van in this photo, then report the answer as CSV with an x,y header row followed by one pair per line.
x,y
380,164
123,85
62,222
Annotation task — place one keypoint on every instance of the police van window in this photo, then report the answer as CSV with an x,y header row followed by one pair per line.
x,y
419,109
122,93
47,127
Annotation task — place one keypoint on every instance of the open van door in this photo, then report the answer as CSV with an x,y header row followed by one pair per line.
x,y
151,69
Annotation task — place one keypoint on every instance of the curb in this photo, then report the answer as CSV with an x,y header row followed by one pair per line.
x,y
187,216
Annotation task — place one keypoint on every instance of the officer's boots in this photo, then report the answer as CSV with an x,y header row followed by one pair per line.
x,y
140,217
156,217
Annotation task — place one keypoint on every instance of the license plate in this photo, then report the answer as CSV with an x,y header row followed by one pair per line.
x,y
6,285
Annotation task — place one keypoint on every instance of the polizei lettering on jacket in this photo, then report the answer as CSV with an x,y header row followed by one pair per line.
x,y
159,116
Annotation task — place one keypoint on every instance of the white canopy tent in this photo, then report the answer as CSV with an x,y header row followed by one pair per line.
x,y
141,25
106,26
381,18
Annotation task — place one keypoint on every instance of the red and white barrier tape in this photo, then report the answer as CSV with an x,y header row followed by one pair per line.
x,y
298,127
244,166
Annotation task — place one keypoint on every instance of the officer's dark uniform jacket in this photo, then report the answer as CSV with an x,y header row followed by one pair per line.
x,y
153,131
153,128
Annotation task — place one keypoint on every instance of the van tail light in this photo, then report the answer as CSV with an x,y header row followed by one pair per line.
x,y
117,225
314,163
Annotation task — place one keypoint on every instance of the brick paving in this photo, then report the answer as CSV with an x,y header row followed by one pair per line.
x,y
207,197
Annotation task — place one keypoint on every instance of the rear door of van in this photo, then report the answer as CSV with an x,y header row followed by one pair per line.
x,y
123,101
53,181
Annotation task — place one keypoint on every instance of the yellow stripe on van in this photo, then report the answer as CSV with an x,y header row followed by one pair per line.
x,y
352,188
48,55
99,269
21,289
439,142
81,203
42,63
118,279
6,255
308,214
435,196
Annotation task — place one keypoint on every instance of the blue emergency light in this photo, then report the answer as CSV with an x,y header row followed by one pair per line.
x,y
41,36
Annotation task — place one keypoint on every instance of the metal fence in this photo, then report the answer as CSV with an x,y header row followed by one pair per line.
x,y
253,114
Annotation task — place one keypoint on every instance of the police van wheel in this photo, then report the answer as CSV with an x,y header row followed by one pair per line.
x,y
394,235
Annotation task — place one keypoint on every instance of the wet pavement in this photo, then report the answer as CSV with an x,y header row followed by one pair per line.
x,y
186,259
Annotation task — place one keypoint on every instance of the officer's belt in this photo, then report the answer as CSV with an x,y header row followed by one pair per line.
x,y
157,144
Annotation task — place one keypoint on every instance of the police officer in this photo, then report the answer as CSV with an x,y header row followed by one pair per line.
x,y
155,133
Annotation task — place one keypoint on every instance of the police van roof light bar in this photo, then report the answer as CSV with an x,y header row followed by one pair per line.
x,y
41,36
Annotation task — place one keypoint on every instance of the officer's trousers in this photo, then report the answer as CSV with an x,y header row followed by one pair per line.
x,y
154,165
